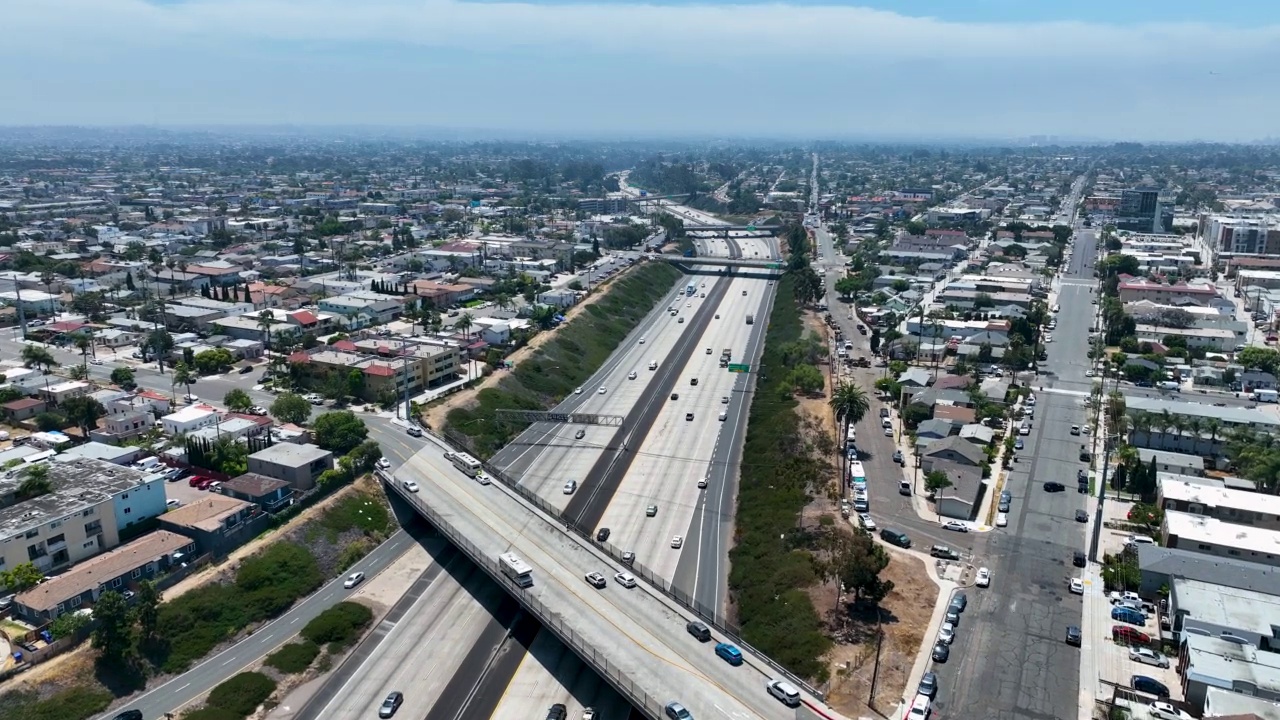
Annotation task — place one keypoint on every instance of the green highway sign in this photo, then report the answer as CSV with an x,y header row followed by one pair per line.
x,y
751,227
739,367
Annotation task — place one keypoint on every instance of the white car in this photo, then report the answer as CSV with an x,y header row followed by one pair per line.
x,y
631,375
946,633
625,579
411,486
353,580
1148,656
1002,520
603,390
578,391
570,486
984,577
483,479
191,398
384,463
1088,373
955,526
641,341
865,520
95,361
1077,586
1166,711
888,432
677,542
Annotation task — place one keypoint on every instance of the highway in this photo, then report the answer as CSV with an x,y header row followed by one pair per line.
x,y
638,630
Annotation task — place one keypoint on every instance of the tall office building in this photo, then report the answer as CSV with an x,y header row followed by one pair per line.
x,y
1140,211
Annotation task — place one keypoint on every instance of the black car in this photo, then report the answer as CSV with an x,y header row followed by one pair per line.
x,y
928,684
1073,635
558,712
675,396
628,558
246,369
941,652
1082,516
602,534
391,705
1054,487
1078,559
129,715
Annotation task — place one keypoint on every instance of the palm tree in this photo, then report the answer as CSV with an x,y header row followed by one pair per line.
x,y
850,404
464,323
183,375
84,343
47,279
1192,426
36,356
1212,426
264,324
1142,422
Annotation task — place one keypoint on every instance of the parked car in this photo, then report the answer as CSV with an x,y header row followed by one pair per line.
x,y
941,652
1129,635
1145,684
1128,615
1148,656
928,684
1166,711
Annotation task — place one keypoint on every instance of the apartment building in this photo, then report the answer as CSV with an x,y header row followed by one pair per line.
x,y
1254,235
298,465
1135,289
90,502
1239,507
1210,536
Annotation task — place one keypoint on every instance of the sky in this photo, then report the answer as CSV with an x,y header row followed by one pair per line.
x,y
1145,70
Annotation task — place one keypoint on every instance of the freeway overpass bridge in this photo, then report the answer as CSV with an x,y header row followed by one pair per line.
x,y
635,638
765,264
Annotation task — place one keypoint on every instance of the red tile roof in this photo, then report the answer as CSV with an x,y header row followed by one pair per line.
x,y
380,370
305,317
299,357
345,345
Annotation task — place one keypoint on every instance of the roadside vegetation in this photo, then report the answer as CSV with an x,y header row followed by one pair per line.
x,y
565,362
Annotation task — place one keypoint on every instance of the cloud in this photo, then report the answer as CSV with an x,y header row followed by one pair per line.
x,y
237,60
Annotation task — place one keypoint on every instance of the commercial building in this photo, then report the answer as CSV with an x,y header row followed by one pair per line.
x,y
1254,235
90,502
189,419
298,465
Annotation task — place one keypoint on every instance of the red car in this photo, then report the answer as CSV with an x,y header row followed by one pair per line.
x,y
1129,635
197,479
205,483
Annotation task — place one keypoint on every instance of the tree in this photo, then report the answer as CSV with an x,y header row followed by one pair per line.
x,y
291,408
21,577
147,609
365,455
36,356
237,400
68,624
84,411
339,431
160,342
213,361
859,564
114,636
806,379
123,376
50,420
936,480
464,323
84,344
265,318
184,375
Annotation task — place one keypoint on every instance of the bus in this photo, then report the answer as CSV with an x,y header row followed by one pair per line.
x,y
691,290
465,463
857,475
516,569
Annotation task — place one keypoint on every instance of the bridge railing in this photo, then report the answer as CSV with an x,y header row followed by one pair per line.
x,y
550,619
709,615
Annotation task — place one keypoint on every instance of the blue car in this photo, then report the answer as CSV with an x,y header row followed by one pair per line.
x,y
730,653
1128,615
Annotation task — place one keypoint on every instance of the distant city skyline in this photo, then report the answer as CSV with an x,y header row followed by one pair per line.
x,y
988,69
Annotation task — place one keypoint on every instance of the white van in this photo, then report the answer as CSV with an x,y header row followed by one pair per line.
x,y
919,708
904,487
149,463
653,364
724,415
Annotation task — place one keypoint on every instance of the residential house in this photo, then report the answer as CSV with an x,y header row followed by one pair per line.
x,y
1213,662
146,558
217,523
189,419
954,449
1210,536
962,498
270,494
298,465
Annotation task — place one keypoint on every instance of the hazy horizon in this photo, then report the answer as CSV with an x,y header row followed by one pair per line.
x,y
994,71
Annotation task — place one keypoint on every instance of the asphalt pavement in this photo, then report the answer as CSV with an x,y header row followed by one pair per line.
x,y
190,686
1009,660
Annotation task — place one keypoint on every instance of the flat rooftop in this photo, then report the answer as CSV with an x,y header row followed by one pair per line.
x,y
1243,609
1218,497
78,484
1233,415
209,513
291,455
1250,541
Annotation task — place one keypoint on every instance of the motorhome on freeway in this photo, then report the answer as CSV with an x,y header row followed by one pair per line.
x,y
857,474
464,462
516,569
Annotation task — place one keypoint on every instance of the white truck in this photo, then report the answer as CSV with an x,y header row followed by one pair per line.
x,y
1267,396
516,569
